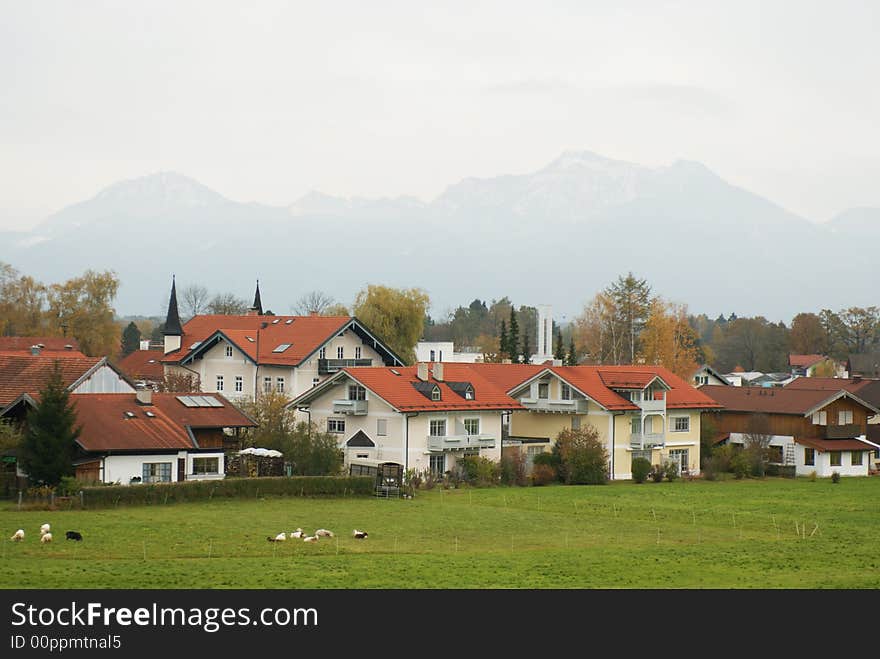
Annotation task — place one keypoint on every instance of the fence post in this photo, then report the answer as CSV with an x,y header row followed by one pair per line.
x,y
19,499
82,503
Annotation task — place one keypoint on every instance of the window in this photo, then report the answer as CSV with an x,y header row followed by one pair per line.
x,y
229,351
336,425
855,458
435,393
382,427
206,465
219,383
316,382
356,392
565,392
267,384
681,424
156,472
834,456
357,352
820,418
322,353
680,457
279,385
340,352
844,417
636,425
472,426
774,454
701,379
544,390
635,396
809,457
239,383
281,347
437,464
432,357
438,428
469,393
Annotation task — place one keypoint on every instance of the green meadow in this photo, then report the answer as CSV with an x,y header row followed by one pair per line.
x,y
774,533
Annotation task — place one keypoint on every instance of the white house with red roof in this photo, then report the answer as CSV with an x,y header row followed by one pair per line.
x,y
243,356
419,417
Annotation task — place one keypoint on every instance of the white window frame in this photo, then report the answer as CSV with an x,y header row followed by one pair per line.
x,y
471,420
820,418
316,382
382,427
267,384
228,350
545,387
207,459
357,352
322,353
564,391
433,460
239,383
340,352
844,417
336,426
675,421
434,427
435,393
219,382
279,385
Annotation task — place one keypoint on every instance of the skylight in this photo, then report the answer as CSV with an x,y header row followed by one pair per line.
x,y
276,321
396,372
150,414
249,339
288,321
195,345
129,415
282,347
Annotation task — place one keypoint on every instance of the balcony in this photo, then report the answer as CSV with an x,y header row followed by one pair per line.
x,y
345,406
844,431
646,439
327,366
575,406
460,442
652,405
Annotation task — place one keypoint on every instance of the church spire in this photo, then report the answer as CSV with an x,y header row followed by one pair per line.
x,y
172,320
258,304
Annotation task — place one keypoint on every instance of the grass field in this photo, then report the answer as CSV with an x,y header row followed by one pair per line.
x,y
774,533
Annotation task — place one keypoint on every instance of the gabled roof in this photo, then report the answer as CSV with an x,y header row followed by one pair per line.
x,y
507,376
143,365
25,373
713,372
805,361
866,389
401,394
866,364
304,334
47,343
779,400
835,444
116,422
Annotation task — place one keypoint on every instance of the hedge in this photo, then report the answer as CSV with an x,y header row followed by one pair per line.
x,y
162,493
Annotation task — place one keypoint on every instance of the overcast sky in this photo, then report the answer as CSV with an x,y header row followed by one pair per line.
x,y
264,101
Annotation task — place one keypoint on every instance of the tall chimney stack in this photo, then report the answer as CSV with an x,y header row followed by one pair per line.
x,y
438,371
422,371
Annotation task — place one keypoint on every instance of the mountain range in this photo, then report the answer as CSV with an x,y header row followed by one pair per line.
x,y
555,236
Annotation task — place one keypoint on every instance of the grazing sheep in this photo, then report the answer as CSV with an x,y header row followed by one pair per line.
x,y
46,537
44,529
281,537
310,538
18,536
74,535
360,535
297,534
324,532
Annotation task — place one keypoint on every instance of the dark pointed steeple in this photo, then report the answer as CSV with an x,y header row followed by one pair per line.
x,y
258,304
172,320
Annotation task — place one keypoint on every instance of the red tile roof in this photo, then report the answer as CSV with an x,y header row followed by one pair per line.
x,y
835,444
771,400
143,365
24,343
398,390
507,376
805,361
304,334
26,373
829,384
106,426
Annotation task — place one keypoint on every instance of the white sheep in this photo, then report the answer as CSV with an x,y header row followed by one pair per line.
x,y
44,529
360,535
324,532
46,537
18,536
280,537
310,538
296,534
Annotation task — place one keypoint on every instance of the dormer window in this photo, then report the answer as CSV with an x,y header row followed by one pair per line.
x,y
544,390
565,392
469,393
435,393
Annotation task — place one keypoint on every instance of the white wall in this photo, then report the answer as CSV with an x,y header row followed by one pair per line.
x,y
104,381
823,466
122,468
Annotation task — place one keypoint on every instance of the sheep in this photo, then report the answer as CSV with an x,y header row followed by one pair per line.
x,y
74,535
18,536
281,537
296,534
310,538
360,535
44,529
46,537
324,532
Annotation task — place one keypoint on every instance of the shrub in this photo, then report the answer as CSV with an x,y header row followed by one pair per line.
x,y
657,473
641,467
543,474
671,471
813,475
741,465
835,476
68,486
476,470
551,459
513,469
583,458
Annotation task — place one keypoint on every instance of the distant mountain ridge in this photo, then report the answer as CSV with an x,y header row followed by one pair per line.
x,y
554,236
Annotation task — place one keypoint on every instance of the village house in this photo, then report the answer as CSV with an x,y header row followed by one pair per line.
x,y
244,355
708,375
807,365
817,430
144,367
419,417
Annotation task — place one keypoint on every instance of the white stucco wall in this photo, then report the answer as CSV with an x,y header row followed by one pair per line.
x,y
121,468
103,381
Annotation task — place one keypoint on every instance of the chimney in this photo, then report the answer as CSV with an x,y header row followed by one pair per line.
x,y
438,371
313,313
144,396
422,371
35,350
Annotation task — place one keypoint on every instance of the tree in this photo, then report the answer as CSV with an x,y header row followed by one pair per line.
x,y
194,300
48,446
559,351
669,340
22,304
862,327
488,346
337,309
180,382
396,316
227,304
808,336
83,307
583,458
599,331
10,436
314,302
756,442
503,343
131,339
571,358
513,336
632,298
526,350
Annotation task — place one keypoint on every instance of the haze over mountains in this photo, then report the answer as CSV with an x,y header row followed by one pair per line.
x,y
555,236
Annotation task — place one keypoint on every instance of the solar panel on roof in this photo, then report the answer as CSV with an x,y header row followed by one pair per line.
x,y
282,347
187,400
213,402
